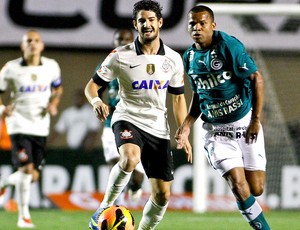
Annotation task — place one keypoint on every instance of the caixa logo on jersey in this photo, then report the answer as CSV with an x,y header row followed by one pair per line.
x,y
150,84
33,88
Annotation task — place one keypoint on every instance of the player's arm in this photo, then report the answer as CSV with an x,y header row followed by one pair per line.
x,y
180,112
257,107
5,110
183,131
56,93
91,91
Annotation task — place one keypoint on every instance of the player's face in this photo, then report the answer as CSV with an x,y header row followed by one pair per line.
x,y
122,38
147,25
32,44
200,28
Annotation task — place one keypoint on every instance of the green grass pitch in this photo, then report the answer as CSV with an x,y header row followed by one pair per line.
x,y
173,220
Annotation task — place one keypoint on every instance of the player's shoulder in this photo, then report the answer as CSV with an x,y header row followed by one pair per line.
x,y
226,39
48,61
171,53
14,62
126,48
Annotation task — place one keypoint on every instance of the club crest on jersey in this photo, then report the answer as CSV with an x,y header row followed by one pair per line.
x,y
216,64
126,134
150,68
166,66
33,77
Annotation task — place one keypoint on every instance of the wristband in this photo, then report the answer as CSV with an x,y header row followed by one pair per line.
x,y
2,108
95,99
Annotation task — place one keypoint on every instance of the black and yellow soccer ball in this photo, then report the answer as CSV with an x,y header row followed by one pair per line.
x,y
116,218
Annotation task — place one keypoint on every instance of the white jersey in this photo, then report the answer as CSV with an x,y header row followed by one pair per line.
x,y
143,84
30,93
77,123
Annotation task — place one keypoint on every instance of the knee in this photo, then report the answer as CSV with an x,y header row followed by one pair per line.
x,y
257,190
128,164
240,190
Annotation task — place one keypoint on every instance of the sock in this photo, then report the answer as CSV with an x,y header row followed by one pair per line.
x,y
117,181
121,199
253,214
22,189
152,215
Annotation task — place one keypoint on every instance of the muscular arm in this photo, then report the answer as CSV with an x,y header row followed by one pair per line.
x,y
258,101
258,94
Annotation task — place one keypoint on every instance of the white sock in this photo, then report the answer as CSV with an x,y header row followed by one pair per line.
x,y
152,215
22,189
117,181
121,199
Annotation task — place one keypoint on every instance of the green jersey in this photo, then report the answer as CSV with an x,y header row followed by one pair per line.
x,y
113,99
220,76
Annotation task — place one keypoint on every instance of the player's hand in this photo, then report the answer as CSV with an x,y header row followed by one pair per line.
x,y
188,151
252,131
181,138
101,110
52,109
8,110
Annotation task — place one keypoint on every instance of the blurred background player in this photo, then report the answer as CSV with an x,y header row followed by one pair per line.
x,y
34,82
121,37
78,123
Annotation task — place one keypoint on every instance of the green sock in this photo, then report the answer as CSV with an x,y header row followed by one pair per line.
x,y
252,212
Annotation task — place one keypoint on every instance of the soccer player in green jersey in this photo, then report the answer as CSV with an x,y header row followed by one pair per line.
x,y
228,94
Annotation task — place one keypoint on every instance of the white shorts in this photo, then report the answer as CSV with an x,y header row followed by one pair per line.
x,y
226,147
110,149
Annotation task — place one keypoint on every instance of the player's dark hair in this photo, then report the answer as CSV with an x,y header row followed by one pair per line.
x,y
148,5
202,8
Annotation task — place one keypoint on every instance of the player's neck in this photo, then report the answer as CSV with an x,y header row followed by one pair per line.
x,y
151,48
33,60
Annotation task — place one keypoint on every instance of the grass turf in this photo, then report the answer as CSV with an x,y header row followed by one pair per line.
x,y
173,220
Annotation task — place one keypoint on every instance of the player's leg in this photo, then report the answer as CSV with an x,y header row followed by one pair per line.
x,y
121,173
128,139
247,204
227,156
158,164
157,204
22,189
135,184
256,181
111,155
23,160
255,166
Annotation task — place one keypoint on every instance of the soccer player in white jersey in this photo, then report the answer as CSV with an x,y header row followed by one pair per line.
x,y
34,82
146,70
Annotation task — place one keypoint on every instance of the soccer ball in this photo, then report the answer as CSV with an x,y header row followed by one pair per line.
x,y
116,218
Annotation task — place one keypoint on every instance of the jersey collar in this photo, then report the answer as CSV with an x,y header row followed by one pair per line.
x,y
24,63
161,50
